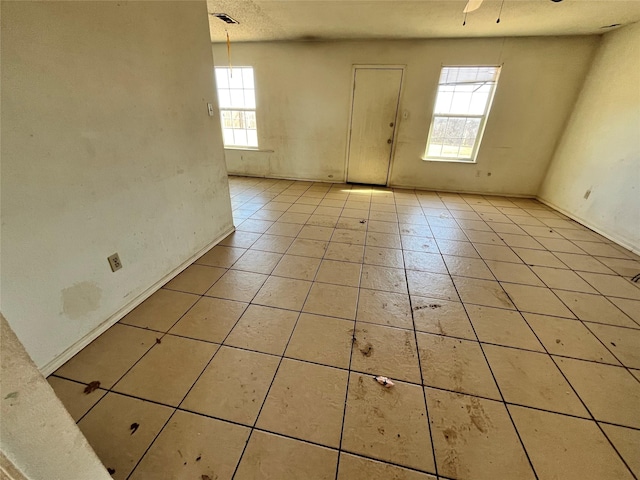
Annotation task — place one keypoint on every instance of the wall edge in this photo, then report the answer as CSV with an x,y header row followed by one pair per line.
x,y
614,238
61,359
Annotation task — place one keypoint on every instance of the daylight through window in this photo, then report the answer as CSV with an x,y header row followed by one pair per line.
x,y
237,100
462,106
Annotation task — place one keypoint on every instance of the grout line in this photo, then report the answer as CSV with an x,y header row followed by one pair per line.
x,y
456,392
529,206
253,427
152,442
394,327
581,400
493,374
353,338
192,385
610,351
110,389
583,323
415,338
557,367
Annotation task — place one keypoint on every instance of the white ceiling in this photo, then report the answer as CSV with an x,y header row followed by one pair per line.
x,y
268,20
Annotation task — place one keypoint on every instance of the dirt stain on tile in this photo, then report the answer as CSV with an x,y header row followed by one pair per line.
x,y
477,415
407,340
450,435
457,375
367,350
359,392
432,306
377,412
451,463
507,302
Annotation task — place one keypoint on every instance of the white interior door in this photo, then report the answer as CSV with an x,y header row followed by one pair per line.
x,y
373,122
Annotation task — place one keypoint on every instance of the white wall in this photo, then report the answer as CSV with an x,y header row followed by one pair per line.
x,y
38,437
600,148
106,147
303,96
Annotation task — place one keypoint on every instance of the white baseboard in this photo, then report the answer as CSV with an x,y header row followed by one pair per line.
x,y
614,238
462,192
394,185
277,177
9,470
61,359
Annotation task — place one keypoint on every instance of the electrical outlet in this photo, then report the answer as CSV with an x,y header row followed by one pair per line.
x,y
114,262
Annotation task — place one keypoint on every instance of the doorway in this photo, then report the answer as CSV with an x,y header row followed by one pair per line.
x,y
374,111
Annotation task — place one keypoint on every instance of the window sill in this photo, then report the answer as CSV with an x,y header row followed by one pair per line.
x,y
448,160
248,149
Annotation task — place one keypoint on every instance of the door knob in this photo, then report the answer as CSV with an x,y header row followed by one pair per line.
x,y
389,141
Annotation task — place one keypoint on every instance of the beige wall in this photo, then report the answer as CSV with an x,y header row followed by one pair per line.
x,y
38,437
106,147
600,150
303,96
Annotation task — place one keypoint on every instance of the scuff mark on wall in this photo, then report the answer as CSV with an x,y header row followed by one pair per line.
x,y
81,299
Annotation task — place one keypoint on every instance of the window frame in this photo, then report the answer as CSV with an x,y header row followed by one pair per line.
x,y
222,109
483,118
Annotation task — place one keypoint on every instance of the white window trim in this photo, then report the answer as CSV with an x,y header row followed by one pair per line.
x,y
483,122
238,109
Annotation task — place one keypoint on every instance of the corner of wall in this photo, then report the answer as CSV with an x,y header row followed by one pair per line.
x,y
567,121
593,175
39,438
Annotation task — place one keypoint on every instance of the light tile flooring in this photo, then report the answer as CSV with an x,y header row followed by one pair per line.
x,y
512,335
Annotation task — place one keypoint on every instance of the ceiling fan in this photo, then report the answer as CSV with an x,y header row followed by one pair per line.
x,y
473,5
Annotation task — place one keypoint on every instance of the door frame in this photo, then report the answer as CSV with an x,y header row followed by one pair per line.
x,y
392,154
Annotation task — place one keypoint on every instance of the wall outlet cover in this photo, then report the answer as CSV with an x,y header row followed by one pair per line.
x,y
114,262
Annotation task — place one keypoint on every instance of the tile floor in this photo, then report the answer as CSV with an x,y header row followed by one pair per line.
x,y
512,335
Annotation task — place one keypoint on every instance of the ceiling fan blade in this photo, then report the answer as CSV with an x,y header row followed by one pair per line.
x,y
472,5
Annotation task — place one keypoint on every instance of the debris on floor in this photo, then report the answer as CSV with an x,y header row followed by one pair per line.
x,y
384,381
432,306
418,334
93,386
367,350
111,471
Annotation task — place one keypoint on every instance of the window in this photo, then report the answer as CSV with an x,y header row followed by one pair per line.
x,y
462,106
237,99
